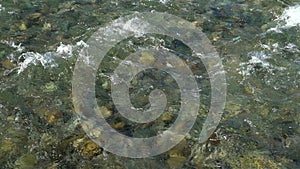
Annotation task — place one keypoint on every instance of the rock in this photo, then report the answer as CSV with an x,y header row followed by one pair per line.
x,y
105,112
35,16
147,58
52,117
23,27
47,26
90,149
26,161
8,64
118,125
49,87
176,162
166,117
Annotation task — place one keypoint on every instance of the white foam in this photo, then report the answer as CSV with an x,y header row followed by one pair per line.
x,y
18,47
134,25
275,48
2,8
47,59
261,58
257,58
31,58
164,1
65,50
289,18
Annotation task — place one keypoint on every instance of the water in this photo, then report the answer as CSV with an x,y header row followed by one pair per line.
x,y
39,44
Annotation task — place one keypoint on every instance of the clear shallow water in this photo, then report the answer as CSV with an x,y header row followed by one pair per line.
x,y
39,44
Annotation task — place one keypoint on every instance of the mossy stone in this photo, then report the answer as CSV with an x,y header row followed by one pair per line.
x,y
26,161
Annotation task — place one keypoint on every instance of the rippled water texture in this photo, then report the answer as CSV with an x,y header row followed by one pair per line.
x,y
258,42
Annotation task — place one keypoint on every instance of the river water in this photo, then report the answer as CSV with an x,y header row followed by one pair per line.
x,y
257,41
